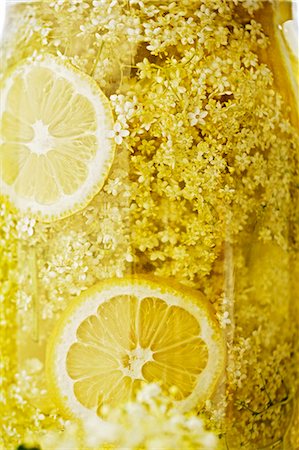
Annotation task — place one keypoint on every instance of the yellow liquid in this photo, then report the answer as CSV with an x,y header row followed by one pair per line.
x,y
207,199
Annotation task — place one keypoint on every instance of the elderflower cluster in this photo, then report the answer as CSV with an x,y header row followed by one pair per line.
x,y
149,422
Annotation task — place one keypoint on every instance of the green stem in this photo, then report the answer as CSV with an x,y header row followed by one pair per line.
x,y
97,59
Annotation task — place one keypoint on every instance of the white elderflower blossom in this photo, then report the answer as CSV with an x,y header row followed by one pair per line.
x,y
26,226
118,133
197,116
149,392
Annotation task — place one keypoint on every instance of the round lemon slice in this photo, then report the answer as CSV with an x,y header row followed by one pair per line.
x,y
124,332
55,153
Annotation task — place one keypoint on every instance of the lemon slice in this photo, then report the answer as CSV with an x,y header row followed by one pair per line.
x,y
124,332
55,153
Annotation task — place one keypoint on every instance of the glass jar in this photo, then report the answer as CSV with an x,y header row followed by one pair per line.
x,y
149,225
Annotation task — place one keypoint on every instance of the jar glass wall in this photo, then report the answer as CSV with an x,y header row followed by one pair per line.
x,y
149,224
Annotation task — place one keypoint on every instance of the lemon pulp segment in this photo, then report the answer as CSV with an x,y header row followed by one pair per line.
x,y
125,332
54,150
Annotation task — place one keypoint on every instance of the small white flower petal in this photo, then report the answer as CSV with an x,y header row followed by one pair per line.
x,y
117,127
118,139
124,133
